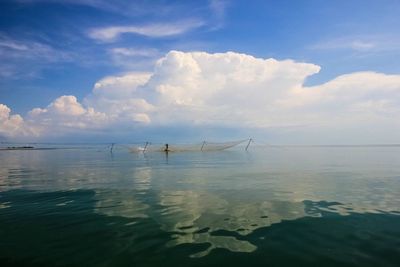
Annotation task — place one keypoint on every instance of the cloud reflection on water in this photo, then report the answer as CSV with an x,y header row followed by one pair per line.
x,y
215,198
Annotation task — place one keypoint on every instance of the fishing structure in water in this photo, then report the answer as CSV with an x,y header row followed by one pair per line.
x,y
204,146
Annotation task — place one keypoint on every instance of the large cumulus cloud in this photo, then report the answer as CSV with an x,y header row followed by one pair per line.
x,y
13,125
200,88
65,115
224,90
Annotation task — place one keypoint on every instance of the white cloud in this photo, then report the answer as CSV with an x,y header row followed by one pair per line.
x,y
230,89
237,91
225,87
356,98
118,97
12,125
66,105
110,34
65,115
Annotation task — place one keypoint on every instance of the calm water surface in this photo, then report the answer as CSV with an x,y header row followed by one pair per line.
x,y
276,206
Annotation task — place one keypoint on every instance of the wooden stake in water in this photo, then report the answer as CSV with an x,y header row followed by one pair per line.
x,y
112,147
248,144
203,145
145,146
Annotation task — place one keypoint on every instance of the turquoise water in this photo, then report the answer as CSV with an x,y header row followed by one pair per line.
x,y
275,206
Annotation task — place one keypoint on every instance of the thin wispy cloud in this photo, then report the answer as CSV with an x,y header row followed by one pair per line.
x,y
134,58
94,3
134,52
25,58
6,71
121,7
10,44
218,8
114,6
15,48
157,30
359,44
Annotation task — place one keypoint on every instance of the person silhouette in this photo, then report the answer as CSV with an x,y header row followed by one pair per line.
x,y
166,149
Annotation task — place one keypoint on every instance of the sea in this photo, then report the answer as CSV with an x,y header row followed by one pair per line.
x,y
85,205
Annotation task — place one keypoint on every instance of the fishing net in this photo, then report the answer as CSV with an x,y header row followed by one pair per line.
x,y
204,146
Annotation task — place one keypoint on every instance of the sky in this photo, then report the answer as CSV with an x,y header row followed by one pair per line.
x,y
282,72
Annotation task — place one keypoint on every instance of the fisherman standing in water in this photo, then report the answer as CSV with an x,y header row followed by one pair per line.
x,y
166,148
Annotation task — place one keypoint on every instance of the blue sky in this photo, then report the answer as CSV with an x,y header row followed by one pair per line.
x,y
54,48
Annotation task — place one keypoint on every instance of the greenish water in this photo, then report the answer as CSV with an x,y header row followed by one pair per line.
x,y
283,206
